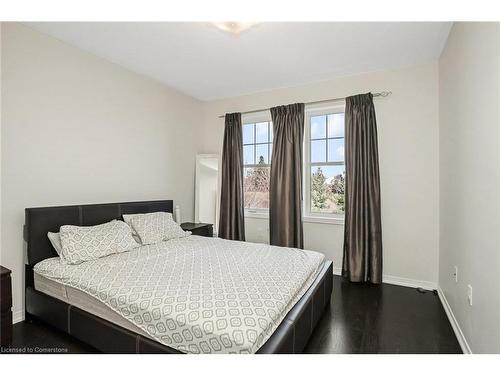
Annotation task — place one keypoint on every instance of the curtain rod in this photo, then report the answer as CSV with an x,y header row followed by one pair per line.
x,y
382,94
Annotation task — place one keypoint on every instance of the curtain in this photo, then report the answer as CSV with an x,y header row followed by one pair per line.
x,y
363,228
232,219
285,195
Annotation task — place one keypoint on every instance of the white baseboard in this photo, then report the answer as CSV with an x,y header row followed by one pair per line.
x,y
17,316
454,323
401,281
412,283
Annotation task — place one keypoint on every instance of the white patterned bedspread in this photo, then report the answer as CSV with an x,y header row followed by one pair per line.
x,y
197,294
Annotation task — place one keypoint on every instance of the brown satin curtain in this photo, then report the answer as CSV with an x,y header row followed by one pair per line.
x,y
232,219
285,195
363,228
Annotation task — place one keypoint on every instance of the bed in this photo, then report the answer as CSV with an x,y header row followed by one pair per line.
x,y
188,295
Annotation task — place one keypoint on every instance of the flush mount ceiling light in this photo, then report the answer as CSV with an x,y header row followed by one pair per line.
x,y
234,27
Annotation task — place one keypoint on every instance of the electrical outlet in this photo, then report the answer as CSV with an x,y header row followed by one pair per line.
x,y
456,274
469,294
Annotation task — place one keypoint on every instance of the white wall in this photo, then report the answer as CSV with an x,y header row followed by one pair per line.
x,y
469,84
408,148
78,129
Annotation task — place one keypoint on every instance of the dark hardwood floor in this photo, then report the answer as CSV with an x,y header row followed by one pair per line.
x,y
364,318
361,319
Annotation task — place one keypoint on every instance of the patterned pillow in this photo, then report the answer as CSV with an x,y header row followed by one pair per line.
x,y
126,218
155,227
80,244
55,240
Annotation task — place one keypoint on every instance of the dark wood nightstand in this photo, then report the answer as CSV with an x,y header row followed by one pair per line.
x,y
199,229
6,307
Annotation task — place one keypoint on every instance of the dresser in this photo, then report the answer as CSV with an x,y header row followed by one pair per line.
x,y
199,229
6,306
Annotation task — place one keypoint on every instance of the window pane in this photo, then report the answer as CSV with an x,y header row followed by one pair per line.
x,y
318,127
248,132
270,131
261,132
256,187
327,189
248,154
318,151
336,125
336,149
270,151
261,154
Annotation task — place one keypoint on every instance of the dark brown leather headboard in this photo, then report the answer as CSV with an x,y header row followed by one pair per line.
x,y
40,220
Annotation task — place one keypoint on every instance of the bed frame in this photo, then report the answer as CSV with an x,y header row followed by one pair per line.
x,y
291,336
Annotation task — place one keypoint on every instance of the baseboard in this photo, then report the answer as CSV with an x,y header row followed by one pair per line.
x,y
411,283
17,316
401,281
454,323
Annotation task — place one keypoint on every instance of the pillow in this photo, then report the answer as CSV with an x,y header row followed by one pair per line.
x,y
81,244
55,240
155,227
127,218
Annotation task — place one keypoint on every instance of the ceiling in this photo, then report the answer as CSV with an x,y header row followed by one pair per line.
x,y
202,61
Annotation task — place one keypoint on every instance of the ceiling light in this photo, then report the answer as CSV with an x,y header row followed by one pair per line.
x,y
234,27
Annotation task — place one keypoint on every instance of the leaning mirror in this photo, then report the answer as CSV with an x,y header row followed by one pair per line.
x,y
206,189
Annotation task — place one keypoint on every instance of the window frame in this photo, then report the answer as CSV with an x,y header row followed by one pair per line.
x,y
308,216
253,118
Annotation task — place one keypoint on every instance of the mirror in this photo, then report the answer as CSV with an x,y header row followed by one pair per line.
x,y
206,189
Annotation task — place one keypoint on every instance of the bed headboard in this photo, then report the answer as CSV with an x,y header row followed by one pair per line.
x,y
40,220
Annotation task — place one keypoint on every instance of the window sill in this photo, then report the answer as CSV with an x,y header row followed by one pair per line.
x,y
323,220
305,219
257,215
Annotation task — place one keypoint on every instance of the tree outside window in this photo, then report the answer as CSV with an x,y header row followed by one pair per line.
x,y
257,150
326,164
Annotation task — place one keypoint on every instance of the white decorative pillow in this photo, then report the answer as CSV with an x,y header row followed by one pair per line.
x,y
55,240
155,227
127,219
80,244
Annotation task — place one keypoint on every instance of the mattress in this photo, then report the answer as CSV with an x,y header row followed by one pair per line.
x,y
83,301
194,294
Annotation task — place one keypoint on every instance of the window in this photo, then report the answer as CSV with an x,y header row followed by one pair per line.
x,y
324,166
324,162
257,150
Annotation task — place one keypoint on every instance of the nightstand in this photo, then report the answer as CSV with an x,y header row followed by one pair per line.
x,y
6,307
199,229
